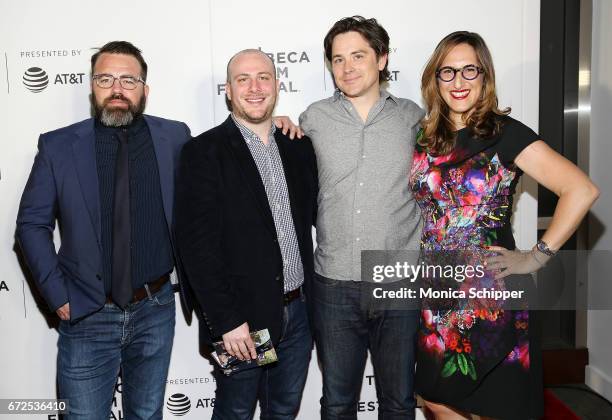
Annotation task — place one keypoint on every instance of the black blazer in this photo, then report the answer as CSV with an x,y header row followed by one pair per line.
x,y
225,230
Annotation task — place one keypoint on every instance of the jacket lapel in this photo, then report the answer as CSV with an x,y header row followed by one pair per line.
x,y
250,172
84,150
165,164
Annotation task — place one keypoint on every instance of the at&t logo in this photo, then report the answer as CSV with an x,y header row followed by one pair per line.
x,y
178,404
35,79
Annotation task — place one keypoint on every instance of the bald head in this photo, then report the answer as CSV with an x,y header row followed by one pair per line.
x,y
249,51
251,87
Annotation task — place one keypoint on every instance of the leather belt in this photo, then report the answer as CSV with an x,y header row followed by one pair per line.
x,y
142,292
292,295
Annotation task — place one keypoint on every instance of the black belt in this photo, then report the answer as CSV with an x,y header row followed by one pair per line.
x,y
147,290
292,295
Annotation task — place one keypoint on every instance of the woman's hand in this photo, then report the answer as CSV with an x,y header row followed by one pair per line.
x,y
515,262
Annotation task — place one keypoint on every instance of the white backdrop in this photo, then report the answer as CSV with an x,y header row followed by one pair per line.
x,y
187,45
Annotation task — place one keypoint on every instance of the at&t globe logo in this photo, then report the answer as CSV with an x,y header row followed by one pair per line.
x,y
35,79
178,404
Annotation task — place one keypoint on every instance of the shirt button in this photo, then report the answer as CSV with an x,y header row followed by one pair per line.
x,y
363,156
358,211
361,184
357,239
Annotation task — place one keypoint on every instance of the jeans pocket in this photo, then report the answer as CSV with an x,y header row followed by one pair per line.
x,y
334,293
165,296
324,281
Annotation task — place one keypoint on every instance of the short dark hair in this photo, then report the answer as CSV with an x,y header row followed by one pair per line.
x,y
121,47
370,29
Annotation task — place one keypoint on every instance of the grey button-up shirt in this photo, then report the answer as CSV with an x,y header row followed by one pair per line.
x,y
270,167
364,199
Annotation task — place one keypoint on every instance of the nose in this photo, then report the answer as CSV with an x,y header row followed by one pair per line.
x,y
348,66
254,85
116,87
458,82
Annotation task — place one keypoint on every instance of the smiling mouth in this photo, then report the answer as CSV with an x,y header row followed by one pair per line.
x,y
254,101
460,94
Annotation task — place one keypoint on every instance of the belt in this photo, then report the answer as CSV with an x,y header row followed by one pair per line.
x,y
292,295
147,290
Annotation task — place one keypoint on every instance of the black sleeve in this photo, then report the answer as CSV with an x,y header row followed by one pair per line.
x,y
516,136
315,179
199,230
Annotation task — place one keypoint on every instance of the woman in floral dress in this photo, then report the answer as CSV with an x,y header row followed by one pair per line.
x,y
474,357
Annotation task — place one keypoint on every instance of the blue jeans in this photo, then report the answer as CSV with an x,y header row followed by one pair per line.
x,y
137,341
277,386
344,329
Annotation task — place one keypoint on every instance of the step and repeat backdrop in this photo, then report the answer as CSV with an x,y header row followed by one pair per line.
x,y
45,50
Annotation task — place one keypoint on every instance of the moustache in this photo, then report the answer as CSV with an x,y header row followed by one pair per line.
x,y
115,97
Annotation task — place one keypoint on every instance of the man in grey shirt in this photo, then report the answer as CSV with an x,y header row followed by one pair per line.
x,y
363,139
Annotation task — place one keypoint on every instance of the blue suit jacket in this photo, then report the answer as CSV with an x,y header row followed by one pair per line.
x,y
63,186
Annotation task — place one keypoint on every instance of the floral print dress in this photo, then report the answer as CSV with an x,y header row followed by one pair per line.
x,y
473,355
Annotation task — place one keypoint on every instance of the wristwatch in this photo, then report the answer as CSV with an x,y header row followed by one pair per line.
x,y
544,249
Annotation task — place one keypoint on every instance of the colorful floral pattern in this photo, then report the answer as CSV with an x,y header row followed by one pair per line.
x,y
466,201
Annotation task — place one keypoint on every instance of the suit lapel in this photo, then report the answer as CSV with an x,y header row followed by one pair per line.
x,y
250,172
165,164
84,150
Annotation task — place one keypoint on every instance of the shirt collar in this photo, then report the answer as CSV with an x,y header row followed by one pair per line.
x,y
384,94
249,134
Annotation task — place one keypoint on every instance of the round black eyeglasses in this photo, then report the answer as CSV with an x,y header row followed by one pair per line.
x,y
469,72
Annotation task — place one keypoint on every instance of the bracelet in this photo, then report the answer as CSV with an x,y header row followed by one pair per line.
x,y
544,249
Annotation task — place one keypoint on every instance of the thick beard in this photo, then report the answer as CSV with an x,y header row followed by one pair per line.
x,y
118,117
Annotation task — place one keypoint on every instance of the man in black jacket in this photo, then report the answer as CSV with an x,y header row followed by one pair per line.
x,y
246,203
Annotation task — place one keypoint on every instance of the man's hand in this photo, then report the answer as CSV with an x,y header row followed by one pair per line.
x,y
64,312
238,343
286,125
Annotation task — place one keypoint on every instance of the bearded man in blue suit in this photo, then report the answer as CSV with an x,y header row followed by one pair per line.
x,y
109,181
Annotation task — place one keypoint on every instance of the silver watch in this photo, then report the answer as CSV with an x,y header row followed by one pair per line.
x,y
544,249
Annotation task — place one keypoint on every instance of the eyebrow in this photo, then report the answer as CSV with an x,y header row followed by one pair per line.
x,y
257,74
351,53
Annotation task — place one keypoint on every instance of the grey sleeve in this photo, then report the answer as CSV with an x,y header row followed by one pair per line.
x,y
305,122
